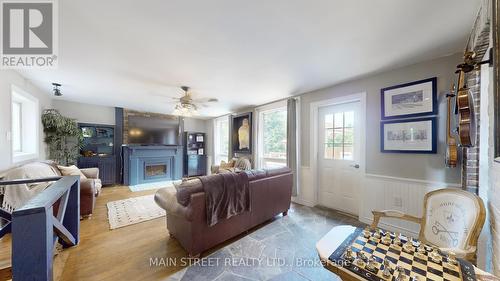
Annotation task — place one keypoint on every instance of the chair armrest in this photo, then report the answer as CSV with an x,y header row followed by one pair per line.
x,y
377,215
92,173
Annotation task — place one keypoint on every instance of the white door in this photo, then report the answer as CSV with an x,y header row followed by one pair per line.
x,y
339,155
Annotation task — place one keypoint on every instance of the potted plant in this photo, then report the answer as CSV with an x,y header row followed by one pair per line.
x,y
63,137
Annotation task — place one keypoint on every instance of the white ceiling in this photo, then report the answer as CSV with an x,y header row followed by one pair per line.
x,y
134,54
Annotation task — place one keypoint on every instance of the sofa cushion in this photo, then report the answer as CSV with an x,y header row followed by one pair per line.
x,y
71,171
243,164
186,188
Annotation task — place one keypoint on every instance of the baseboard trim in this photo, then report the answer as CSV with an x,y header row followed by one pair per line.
x,y
303,202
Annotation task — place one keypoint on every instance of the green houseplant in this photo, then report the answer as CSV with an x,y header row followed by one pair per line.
x,y
63,137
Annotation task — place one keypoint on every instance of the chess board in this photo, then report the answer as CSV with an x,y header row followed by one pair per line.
x,y
420,265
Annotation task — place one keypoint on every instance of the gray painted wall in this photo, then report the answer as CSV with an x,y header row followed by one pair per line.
x,y
86,113
414,166
7,79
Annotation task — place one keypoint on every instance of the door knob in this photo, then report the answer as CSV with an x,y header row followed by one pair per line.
x,y
355,166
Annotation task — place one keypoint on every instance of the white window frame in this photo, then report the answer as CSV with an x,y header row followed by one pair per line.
x,y
30,125
220,155
260,159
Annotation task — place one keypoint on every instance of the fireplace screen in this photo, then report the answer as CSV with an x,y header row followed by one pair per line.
x,y
156,170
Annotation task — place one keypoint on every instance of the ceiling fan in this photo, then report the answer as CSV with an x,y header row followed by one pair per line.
x,y
187,106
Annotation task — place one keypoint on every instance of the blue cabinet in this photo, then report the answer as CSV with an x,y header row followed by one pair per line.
x,y
106,166
98,151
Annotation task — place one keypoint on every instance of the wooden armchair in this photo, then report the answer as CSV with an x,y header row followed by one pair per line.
x,y
452,220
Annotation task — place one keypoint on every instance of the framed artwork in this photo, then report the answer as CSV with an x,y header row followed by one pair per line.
x,y
409,136
241,133
410,100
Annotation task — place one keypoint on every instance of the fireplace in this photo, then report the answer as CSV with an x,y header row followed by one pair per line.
x,y
155,170
151,163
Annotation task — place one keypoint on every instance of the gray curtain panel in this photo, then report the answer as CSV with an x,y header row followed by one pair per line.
x,y
292,146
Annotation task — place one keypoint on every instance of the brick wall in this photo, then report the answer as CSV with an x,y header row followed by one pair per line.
x,y
493,206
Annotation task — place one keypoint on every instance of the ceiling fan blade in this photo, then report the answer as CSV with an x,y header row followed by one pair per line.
x,y
205,100
199,105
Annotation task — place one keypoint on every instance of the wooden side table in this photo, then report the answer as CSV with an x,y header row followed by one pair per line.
x,y
332,240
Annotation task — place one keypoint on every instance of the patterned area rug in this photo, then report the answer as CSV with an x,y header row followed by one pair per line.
x,y
153,185
133,210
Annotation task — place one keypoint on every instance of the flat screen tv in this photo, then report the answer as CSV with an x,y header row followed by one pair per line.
x,y
153,131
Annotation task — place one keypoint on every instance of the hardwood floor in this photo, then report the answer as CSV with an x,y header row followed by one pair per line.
x,y
123,253
120,254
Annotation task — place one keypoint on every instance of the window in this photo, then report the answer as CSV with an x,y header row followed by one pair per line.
x,y
25,122
272,137
339,135
221,139
16,126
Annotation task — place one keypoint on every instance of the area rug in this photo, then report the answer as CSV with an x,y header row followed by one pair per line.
x,y
133,210
150,186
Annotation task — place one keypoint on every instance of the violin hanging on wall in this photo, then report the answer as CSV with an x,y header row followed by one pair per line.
x,y
451,158
467,126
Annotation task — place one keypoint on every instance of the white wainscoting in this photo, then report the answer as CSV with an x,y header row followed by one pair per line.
x,y
379,192
392,193
307,193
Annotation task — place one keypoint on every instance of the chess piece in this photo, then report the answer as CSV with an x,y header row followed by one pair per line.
x,y
401,274
386,240
349,255
377,234
452,258
372,264
421,249
414,278
387,268
397,241
362,256
360,259
367,233
436,256
408,247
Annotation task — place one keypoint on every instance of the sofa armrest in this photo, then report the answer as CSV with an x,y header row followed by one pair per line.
x,y
87,186
166,199
87,196
92,173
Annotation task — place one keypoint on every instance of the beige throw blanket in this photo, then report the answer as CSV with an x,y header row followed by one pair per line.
x,y
16,196
226,195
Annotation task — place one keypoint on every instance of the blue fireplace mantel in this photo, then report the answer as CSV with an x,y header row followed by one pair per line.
x,y
137,159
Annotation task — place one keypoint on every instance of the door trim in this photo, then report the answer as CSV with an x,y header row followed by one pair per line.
x,y
313,140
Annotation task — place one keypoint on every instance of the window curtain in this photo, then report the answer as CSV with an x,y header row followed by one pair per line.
x,y
292,148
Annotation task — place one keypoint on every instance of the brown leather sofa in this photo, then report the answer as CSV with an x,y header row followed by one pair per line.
x,y
90,187
270,195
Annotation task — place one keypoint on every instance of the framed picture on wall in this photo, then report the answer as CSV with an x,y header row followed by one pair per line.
x,y
409,136
241,134
413,99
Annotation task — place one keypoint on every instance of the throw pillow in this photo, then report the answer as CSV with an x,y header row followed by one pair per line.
x,y
224,165
71,171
